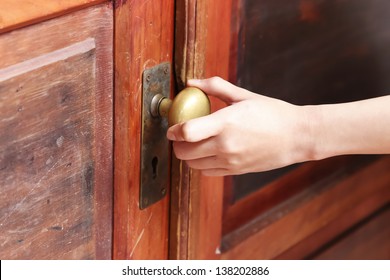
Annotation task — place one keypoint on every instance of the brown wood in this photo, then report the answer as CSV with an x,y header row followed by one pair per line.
x,y
143,38
309,215
56,138
191,32
239,213
24,12
207,192
185,32
307,247
179,210
368,242
198,230
271,222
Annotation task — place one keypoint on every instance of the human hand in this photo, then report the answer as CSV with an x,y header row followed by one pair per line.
x,y
254,133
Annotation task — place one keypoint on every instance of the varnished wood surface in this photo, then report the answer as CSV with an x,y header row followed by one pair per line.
x,y
301,52
15,14
276,232
309,247
237,213
56,138
207,192
198,55
367,241
143,38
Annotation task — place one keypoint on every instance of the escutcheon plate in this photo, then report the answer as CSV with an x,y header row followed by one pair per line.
x,y
154,144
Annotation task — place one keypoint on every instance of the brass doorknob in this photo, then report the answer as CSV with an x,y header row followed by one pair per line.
x,y
190,103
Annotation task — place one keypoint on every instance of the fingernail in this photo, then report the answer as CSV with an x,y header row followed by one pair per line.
x,y
171,136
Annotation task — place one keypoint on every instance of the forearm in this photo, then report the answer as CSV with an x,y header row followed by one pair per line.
x,y
361,127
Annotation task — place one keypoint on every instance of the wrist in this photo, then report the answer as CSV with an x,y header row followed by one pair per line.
x,y
308,135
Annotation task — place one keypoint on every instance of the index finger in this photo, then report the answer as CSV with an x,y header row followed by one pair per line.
x,y
195,130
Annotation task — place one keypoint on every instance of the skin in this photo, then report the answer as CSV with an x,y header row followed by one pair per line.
x,y
256,133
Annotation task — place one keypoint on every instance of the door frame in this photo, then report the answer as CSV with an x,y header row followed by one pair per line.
x,y
143,38
199,203
196,200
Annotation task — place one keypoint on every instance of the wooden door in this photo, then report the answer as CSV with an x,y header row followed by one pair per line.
x,y
62,141
144,36
56,95
58,197
305,52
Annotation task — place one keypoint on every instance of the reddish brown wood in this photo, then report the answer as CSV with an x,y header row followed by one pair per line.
x,y
274,221
193,28
200,234
235,38
368,242
207,192
185,31
308,215
238,213
56,138
306,248
24,12
143,38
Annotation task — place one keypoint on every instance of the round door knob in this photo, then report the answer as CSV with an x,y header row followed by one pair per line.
x,y
190,103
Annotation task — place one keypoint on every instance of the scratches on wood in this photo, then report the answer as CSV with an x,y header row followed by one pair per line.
x,y
143,38
140,235
56,138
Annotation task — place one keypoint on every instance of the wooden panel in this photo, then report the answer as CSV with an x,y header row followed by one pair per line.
x,y
207,192
56,139
239,213
197,200
308,247
299,218
320,203
369,241
23,12
189,59
144,38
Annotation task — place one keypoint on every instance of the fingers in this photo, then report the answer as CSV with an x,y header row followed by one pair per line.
x,y
190,151
204,163
196,129
221,89
216,172
209,166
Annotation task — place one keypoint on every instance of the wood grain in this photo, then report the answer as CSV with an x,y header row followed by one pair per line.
x,y
274,220
143,38
207,199
310,215
308,248
199,55
368,241
24,12
56,139
237,213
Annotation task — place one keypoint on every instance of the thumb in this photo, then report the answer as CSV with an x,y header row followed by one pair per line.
x,y
195,130
221,89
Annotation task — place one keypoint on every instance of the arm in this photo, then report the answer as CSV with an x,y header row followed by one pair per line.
x,y
257,133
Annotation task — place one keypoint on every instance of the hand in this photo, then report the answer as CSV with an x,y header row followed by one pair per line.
x,y
254,133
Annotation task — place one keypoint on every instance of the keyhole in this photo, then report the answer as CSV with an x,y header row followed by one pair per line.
x,y
154,166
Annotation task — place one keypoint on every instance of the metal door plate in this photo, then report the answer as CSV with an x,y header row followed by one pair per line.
x,y
155,145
